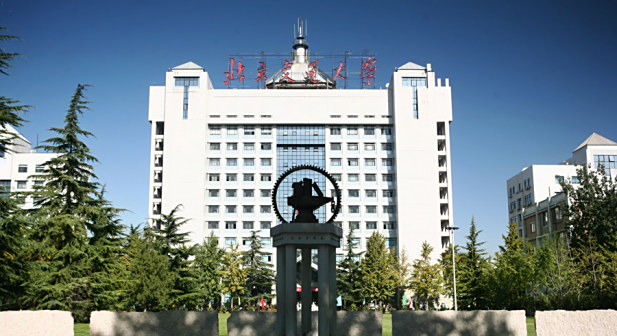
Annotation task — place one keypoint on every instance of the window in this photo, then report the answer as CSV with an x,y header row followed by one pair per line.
x,y
186,82
353,177
160,128
249,131
266,162
370,177
21,184
608,162
266,130
335,131
386,146
558,214
352,131
532,227
389,225
387,177
213,177
389,209
264,209
231,177
369,130
247,225
38,183
215,162
215,130
371,225
264,192
388,193
212,225
354,225
230,209
337,177
230,193
266,177
386,130
528,199
369,162
232,130
575,180
250,162
371,193
559,179
266,241
213,209
232,146
390,242
352,162
369,146
335,116
247,209
230,241
213,192
266,146
39,168
354,209
387,162
353,193
335,146
266,257
372,209
215,146
248,193
355,242
265,225
352,146
248,177
335,162
22,168
249,146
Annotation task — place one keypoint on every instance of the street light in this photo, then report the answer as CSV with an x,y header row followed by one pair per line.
x,y
451,229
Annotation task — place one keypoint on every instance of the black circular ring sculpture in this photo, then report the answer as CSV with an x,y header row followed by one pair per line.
x,y
336,207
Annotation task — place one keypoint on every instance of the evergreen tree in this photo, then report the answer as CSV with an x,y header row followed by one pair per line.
x,y
426,279
473,272
348,274
556,283
402,275
446,266
234,275
208,258
10,110
14,270
377,270
259,274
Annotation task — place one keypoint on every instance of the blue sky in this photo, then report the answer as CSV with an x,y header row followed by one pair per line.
x,y
530,79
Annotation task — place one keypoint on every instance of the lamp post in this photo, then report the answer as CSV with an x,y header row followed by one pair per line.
x,y
451,229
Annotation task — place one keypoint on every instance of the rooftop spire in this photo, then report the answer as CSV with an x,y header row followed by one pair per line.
x,y
300,46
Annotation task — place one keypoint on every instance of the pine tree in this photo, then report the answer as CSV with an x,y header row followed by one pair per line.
x,y
426,278
446,265
234,275
348,273
377,270
472,272
10,110
207,262
259,274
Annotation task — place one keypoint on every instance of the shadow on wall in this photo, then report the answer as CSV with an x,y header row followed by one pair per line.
x,y
466,323
105,323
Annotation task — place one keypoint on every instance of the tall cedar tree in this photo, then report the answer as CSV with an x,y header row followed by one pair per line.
x,y
426,278
259,274
234,275
208,258
348,281
13,269
172,242
472,274
377,270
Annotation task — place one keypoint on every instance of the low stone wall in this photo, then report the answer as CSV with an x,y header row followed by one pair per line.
x,y
106,323
33,323
584,322
451,323
264,323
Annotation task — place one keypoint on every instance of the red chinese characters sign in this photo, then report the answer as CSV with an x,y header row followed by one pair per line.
x,y
368,69
230,75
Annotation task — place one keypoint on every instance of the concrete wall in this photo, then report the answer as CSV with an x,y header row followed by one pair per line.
x,y
264,323
106,323
590,322
33,323
477,323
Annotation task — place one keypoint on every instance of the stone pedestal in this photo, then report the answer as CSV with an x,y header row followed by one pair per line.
x,y
287,238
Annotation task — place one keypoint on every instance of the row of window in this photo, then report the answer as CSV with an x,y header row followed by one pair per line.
x,y
370,193
233,146
233,162
267,130
246,130
246,225
355,162
371,209
367,177
233,177
267,146
560,179
353,146
23,184
234,193
246,241
232,209
23,168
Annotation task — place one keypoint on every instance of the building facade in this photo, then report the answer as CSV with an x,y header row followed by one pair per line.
x,y
218,152
17,163
535,196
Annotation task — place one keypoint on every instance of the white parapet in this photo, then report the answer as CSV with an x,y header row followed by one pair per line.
x,y
33,323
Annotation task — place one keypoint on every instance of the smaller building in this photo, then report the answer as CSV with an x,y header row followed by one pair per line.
x,y
535,196
18,162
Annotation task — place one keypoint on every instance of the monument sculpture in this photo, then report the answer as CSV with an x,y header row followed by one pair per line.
x,y
304,232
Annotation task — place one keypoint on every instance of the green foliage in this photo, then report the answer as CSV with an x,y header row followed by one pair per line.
x,y
402,275
14,270
208,258
234,275
474,267
259,274
426,279
348,275
446,267
377,270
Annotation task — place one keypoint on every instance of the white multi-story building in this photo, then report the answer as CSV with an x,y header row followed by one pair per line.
x,y
218,152
534,194
17,163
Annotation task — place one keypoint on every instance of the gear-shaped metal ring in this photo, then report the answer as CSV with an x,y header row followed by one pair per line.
x,y
288,172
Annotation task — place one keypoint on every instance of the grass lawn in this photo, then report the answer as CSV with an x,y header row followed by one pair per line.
x,y
223,324
81,329
531,326
386,325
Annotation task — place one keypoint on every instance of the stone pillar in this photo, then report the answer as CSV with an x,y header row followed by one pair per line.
x,y
332,305
324,291
280,291
306,291
291,319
